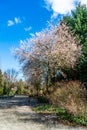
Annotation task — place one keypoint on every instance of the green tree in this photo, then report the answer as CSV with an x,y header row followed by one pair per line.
x,y
4,88
1,82
20,87
1,78
9,81
19,90
78,24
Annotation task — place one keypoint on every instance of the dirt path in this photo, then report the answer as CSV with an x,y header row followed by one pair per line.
x,y
16,114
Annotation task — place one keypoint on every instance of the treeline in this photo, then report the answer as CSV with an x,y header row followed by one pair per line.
x,y
10,85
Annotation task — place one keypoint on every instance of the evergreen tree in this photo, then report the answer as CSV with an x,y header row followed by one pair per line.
x,y
78,24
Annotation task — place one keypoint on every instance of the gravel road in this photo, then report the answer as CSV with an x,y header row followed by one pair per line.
x,y
16,114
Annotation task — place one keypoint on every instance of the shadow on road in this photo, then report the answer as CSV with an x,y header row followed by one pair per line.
x,y
19,107
22,101
17,100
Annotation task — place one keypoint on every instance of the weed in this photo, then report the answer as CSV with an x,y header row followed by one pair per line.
x,y
61,114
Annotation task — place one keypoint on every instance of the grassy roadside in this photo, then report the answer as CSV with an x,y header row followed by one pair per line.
x,y
62,114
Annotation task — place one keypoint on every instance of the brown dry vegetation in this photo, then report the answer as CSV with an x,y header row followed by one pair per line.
x,y
71,96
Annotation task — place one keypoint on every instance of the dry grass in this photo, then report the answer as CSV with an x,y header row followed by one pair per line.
x,y
71,96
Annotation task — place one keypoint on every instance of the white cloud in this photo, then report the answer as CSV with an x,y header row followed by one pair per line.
x,y
28,28
32,34
61,6
13,22
83,2
17,20
10,23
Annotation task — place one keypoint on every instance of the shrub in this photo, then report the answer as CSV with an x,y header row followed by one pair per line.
x,y
19,90
42,99
12,92
1,90
4,90
71,96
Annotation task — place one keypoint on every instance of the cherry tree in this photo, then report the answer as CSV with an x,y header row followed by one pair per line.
x,y
48,51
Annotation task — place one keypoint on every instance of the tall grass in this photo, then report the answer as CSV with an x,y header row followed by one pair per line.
x,y
71,96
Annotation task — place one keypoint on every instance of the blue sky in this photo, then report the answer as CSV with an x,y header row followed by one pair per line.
x,y
20,18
